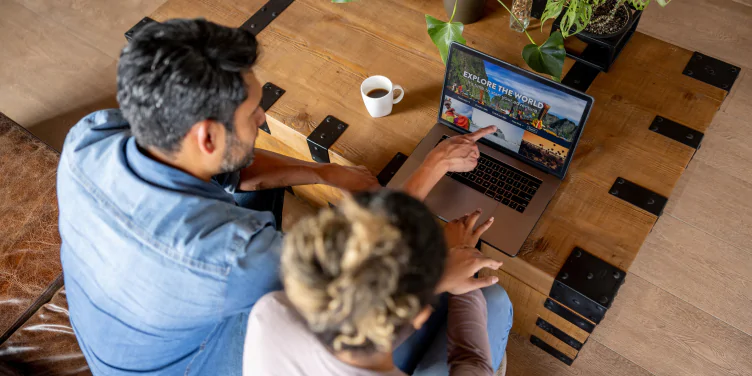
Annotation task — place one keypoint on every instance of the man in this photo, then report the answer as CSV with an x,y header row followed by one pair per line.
x,y
161,266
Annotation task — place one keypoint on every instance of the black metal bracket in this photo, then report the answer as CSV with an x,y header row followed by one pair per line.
x,y
549,349
677,132
271,93
580,76
264,16
587,284
712,71
638,196
391,168
323,137
138,26
569,315
558,333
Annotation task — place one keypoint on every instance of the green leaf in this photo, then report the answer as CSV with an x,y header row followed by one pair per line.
x,y
443,34
547,58
553,10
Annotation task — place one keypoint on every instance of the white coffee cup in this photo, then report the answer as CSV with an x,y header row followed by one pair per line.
x,y
381,106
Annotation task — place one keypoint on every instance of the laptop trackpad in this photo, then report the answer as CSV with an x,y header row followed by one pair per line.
x,y
451,199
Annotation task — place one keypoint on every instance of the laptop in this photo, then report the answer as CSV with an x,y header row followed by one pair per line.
x,y
522,164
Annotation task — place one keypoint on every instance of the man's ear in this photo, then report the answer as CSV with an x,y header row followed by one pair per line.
x,y
208,136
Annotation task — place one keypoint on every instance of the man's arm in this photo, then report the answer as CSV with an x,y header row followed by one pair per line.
x,y
272,170
469,351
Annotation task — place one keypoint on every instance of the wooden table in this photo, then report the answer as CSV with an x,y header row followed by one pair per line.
x,y
320,52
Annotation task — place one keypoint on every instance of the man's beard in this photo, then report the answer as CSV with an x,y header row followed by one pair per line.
x,y
238,155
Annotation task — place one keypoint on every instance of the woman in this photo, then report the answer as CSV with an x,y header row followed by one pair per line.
x,y
361,278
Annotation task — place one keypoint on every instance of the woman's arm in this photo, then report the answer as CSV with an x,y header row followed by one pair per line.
x,y
469,351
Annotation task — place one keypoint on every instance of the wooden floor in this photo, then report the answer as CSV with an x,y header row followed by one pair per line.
x,y
686,308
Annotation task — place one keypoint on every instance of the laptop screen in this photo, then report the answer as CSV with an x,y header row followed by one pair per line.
x,y
537,120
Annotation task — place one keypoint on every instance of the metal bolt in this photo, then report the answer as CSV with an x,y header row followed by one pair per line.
x,y
252,26
590,276
698,57
604,299
614,192
653,128
576,302
689,73
658,119
582,324
576,82
278,92
577,253
572,343
733,69
617,274
274,14
328,119
620,181
549,304
263,9
725,86
565,276
341,127
323,135
690,136
563,358
651,201
710,70
267,86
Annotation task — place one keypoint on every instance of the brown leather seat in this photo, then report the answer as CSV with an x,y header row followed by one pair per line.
x,y
35,336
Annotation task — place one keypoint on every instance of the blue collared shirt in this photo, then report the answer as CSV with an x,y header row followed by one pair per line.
x,y
161,268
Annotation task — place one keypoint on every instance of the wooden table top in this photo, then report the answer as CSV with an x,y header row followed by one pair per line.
x,y
320,53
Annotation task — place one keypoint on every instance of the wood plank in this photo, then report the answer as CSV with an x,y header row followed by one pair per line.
x,y
739,101
699,269
721,28
215,11
715,202
47,71
98,23
293,210
668,336
528,306
524,359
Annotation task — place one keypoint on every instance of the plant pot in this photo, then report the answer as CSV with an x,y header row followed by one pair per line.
x,y
468,11
607,28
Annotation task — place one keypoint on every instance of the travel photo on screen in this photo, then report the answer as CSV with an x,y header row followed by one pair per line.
x,y
516,98
507,135
543,151
457,113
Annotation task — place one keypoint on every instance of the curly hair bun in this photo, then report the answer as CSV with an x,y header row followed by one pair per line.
x,y
341,269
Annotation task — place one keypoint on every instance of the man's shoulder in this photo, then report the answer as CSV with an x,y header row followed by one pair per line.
x,y
95,127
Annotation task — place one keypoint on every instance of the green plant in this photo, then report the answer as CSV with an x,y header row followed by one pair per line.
x,y
578,13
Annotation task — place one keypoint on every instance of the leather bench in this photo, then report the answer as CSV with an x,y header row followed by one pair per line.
x,y
35,333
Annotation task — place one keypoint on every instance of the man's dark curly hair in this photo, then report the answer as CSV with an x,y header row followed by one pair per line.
x,y
360,273
179,72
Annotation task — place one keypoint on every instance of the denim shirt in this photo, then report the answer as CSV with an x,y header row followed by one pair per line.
x,y
161,268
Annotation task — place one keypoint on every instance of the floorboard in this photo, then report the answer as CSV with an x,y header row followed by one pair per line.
x,y
667,336
525,359
99,23
700,269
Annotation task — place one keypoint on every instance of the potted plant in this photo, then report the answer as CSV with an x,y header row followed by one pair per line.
x,y
596,18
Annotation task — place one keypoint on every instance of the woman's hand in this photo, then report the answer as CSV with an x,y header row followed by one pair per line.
x,y
458,153
463,260
462,231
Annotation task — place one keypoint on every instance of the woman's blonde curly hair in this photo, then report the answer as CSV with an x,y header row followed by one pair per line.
x,y
360,272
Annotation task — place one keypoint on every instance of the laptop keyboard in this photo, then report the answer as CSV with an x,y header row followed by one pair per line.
x,y
500,181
